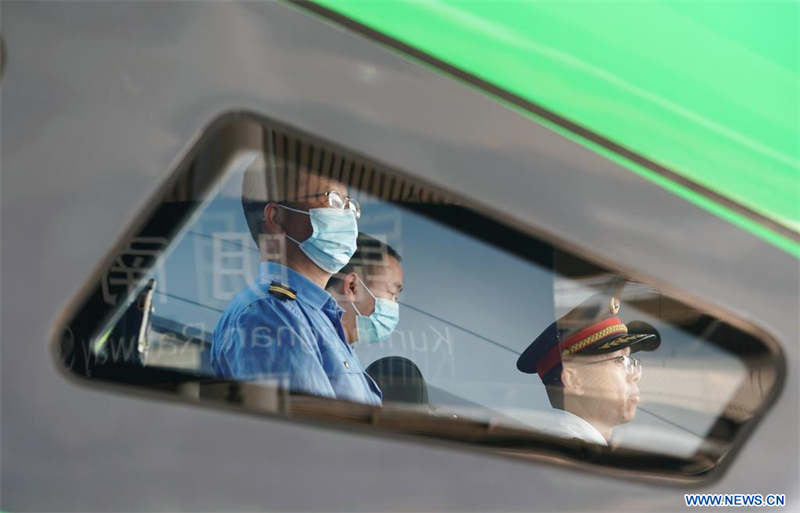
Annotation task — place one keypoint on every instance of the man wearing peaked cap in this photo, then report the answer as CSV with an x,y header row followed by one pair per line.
x,y
584,361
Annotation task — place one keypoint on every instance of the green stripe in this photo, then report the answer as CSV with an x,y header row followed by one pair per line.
x,y
707,89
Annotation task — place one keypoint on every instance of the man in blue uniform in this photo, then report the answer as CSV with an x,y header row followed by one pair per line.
x,y
368,289
286,327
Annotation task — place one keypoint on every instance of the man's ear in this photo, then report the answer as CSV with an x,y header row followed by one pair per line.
x,y
350,287
571,380
274,218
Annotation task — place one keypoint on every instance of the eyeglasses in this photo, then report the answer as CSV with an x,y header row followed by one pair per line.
x,y
632,365
336,200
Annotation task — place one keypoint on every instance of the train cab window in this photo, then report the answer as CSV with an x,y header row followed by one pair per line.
x,y
280,274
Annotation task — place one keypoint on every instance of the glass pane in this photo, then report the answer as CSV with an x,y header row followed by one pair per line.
x,y
290,277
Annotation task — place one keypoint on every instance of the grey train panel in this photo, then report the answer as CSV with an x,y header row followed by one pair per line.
x,y
99,102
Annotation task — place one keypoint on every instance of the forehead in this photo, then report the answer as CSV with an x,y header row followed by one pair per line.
x,y
309,183
388,269
622,352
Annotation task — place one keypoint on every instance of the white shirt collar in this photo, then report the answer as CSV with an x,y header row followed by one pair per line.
x,y
568,425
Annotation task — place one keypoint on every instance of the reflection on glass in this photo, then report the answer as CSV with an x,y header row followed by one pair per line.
x,y
265,292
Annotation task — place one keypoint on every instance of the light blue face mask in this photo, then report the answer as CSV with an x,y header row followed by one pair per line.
x,y
378,326
333,241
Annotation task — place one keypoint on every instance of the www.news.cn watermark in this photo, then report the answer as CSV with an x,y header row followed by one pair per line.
x,y
734,499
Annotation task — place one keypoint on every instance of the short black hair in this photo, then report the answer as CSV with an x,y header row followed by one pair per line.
x,y
370,252
257,191
263,184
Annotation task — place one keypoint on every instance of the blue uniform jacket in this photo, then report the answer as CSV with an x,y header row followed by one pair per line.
x,y
298,342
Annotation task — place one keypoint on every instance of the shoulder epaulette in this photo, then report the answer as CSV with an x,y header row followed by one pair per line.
x,y
282,291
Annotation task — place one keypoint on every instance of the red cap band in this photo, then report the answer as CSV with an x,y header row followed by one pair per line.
x,y
577,342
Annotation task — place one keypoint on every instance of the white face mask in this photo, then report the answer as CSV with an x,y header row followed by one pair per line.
x,y
383,321
333,242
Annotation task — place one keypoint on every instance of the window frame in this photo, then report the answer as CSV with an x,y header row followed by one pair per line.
x,y
87,312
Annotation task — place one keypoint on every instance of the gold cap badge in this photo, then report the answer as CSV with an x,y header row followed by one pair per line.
x,y
613,306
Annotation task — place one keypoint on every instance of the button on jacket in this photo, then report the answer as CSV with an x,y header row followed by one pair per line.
x,y
299,342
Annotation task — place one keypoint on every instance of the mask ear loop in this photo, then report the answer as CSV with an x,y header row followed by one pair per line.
x,y
293,210
366,288
264,219
368,292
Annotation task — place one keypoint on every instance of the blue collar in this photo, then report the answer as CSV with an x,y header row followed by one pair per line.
x,y
307,291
